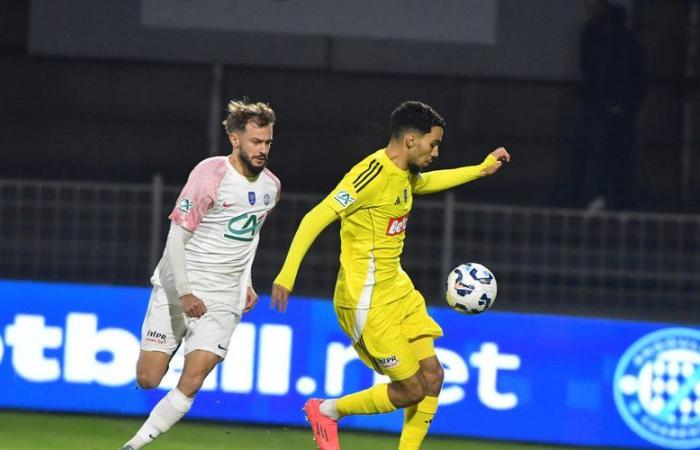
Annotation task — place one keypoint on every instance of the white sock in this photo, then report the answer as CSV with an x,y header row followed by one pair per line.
x,y
328,409
164,415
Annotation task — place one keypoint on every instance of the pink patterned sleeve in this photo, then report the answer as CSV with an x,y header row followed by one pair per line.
x,y
199,193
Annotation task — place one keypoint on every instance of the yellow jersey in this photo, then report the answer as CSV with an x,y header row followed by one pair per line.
x,y
373,202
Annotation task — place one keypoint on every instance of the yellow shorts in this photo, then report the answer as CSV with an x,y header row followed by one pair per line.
x,y
388,338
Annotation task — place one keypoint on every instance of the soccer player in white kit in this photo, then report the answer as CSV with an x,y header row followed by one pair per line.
x,y
202,284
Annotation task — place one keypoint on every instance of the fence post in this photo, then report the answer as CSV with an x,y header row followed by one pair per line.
x,y
156,219
447,236
215,110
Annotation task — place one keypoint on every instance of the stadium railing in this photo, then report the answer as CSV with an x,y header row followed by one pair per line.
x,y
617,264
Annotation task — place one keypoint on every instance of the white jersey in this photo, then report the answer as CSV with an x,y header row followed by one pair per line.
x,y
225,211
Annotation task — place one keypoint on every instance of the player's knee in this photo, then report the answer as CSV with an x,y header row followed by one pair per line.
x,y
407,392
416,394
191,384
433,379
410,392
148,379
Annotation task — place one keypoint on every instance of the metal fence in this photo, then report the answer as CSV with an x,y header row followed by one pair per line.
x,y
546,260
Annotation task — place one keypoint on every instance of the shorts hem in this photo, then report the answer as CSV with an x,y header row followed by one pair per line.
x,y
217,351
151,348
402,377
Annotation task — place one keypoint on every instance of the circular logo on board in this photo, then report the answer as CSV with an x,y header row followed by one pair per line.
x,y
657,388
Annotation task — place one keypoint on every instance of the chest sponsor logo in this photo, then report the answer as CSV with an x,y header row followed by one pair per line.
x,y
185,205
244,227
251,197
344,198
397,225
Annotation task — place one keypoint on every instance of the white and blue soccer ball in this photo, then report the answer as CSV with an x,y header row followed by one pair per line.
x,y
471,288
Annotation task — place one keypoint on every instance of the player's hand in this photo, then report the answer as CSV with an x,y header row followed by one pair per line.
x,y
192,305
279,297
502,155
251,298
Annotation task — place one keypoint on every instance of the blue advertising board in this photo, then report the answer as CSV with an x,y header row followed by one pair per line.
x,y
520,377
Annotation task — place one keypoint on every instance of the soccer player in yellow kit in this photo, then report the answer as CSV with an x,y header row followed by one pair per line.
x,y
374,300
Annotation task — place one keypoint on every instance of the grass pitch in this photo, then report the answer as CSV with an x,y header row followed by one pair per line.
x,y
40,431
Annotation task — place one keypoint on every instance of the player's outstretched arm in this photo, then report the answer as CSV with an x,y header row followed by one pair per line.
x,y
440,180
310,227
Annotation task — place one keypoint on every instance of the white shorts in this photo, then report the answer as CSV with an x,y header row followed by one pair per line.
x,y
165,326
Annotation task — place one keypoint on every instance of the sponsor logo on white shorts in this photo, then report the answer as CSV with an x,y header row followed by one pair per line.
x,y
155,337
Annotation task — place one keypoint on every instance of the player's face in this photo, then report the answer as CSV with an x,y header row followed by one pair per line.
x,y
252,146
425,149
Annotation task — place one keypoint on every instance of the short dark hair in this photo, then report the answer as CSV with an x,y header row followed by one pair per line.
x,y
240,112
413,115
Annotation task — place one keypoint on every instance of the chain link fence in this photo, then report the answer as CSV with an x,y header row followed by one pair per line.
x,y
634,265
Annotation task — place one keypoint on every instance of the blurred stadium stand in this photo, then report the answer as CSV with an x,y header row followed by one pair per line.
x,y
96,123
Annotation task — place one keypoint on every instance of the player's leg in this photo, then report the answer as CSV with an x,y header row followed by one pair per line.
x,y
151,368
418,417
163,329
198,365
176,403
207,341
421,330
417,394
378,339
406,353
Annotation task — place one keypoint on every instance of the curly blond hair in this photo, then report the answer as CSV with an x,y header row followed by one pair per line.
x,y
240,112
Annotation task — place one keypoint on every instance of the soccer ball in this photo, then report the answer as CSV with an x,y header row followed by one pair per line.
x,y
471,288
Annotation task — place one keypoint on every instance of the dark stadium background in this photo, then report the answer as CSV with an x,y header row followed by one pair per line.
x,y
106,114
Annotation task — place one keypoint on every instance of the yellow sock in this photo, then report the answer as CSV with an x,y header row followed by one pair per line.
x,y
374,400
416,421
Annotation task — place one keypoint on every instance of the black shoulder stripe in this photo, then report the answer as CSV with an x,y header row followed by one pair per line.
x,y
365,171
369,179
366,174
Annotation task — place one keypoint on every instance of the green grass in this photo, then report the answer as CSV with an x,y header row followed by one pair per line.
x,y
39,431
